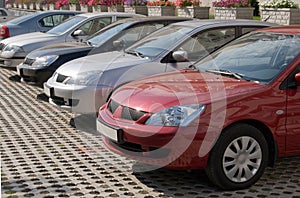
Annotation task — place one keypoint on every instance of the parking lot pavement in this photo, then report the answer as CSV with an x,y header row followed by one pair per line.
x,y
43,156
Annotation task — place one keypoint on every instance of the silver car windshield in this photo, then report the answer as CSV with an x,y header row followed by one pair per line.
x,y
107,33
256,57
160,41
65,26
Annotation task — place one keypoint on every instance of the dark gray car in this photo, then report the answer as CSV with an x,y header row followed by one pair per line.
x,y
79,27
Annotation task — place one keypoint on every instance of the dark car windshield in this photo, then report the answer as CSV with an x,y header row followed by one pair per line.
x,y
65,26
21,19
259,57
105,34
160,41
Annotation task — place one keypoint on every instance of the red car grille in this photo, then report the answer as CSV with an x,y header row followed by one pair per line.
x,y
126,113
112,106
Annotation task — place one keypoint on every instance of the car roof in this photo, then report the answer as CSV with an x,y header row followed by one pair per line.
x,y
89,14
41,13
155,18
290,29
197,23
53,11
38,14
136,20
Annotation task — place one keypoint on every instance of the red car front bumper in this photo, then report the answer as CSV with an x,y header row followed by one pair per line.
x,y
171,147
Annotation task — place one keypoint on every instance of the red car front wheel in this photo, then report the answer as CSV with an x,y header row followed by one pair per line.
x,y
238,158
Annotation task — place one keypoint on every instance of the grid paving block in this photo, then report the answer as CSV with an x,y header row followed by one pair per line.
x,y
42,155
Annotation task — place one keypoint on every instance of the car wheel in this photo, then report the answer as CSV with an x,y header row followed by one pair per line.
x,y
239,157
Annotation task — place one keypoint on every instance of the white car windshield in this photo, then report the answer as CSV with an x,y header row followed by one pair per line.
x,y
256,57
65,26
107,33
160,41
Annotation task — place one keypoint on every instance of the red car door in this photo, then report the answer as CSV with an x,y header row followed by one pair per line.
x,y
293,117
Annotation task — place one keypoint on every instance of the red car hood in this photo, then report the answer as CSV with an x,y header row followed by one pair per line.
x,y
178,88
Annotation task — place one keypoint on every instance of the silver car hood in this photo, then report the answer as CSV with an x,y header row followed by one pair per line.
x,y
31,41
100,62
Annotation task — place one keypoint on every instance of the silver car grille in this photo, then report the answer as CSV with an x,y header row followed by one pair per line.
x,y
61,78
2,45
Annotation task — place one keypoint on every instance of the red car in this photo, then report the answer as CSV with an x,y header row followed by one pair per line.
x,y
232,113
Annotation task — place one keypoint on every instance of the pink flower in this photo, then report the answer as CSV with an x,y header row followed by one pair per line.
x,y
231,3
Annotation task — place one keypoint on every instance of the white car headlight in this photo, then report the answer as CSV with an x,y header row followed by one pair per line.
x,y
181,115
85,78
10,51
44,60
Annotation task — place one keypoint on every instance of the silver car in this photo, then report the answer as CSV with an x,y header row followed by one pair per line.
x,y
35,22
14,49
84,84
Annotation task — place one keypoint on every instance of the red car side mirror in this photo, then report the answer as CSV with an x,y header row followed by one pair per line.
x,y
297,79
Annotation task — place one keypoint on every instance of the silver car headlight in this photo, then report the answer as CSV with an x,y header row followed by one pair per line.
x,y
10,51
44,61
181,115
89,78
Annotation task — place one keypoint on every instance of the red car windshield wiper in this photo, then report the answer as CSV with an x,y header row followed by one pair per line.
x,y
226,73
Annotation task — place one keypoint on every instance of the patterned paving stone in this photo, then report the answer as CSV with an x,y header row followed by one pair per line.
x,y
43,156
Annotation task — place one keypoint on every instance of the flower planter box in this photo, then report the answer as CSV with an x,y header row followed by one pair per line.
x,y
65,7
282,16
86,8
116,8
52,7
136,9
27,6
46,7
161,10
75,7
233,13
100,8
194,12
41,7
11,5
32,6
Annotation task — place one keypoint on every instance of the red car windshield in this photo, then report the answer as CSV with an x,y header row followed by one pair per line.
x,y
257,57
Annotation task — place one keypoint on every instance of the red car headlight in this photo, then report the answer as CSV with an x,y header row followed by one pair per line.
x,y
181,115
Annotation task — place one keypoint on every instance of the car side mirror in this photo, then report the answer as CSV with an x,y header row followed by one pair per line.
x,y
180,56
78,33
297,79
118,44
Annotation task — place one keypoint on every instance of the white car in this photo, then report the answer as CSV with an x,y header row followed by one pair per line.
x,y
15,49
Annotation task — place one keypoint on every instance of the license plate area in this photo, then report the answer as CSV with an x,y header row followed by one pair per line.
x,y
48,91
111,132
